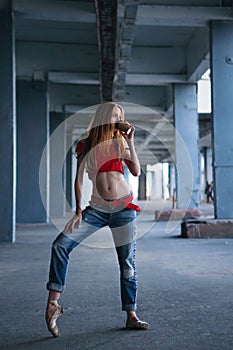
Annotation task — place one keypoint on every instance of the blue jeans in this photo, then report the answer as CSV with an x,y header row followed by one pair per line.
x,y
123,227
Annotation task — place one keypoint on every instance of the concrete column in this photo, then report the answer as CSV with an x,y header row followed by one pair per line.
x,y
206,171
69,178
126,173
221,58
187,146
153,184
142,184
155,181
172,180
209,165
32,124
8,124
57,160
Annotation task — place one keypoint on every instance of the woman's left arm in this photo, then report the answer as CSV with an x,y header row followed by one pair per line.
x,y
130,157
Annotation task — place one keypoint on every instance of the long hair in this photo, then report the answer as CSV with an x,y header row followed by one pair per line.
x,y
100,135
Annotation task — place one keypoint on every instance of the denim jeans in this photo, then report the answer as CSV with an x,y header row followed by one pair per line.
x,y
123,227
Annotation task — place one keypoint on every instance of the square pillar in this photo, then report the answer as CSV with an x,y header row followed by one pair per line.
x,y
172,180
57,164
142,184
187,146
69,164
33,128
221,59
8,124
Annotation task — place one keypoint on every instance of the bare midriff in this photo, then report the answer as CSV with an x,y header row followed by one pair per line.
x,y
110,185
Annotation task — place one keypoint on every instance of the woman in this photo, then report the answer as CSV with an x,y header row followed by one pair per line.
x,y
101,153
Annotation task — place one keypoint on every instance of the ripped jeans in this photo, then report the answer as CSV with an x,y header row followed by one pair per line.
x,y
123,227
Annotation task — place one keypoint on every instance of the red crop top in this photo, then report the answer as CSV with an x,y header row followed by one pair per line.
x,y
114,164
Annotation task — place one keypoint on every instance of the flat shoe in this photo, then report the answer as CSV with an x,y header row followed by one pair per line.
x,y
52,315
137,324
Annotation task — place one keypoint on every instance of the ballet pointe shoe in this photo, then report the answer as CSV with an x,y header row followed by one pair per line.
x,y
53,311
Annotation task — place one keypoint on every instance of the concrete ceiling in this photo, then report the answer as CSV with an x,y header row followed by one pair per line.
x,y
129,51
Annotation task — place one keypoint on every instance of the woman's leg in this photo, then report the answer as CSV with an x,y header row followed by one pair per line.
x,y
128,278
125,243
65,243
61,249
123,227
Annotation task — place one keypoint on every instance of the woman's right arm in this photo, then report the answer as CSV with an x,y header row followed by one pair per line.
x,y
78,185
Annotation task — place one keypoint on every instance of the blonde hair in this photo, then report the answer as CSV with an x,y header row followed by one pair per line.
x,y
101,131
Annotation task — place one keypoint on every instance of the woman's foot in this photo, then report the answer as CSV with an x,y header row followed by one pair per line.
x,y
133,322
53,311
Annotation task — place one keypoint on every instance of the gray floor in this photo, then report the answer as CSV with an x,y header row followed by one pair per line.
x,y
185,291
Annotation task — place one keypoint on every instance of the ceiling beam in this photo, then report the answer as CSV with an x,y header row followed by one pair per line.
x,y
131,79
154,135
135,113
189,16
158,60
58,57
47,10
154,79
106,15
126,27
198,54
74,78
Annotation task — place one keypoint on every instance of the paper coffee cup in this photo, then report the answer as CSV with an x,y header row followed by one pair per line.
x,y
122,126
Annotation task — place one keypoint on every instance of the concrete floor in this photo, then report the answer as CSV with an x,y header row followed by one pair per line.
x,y
185,292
